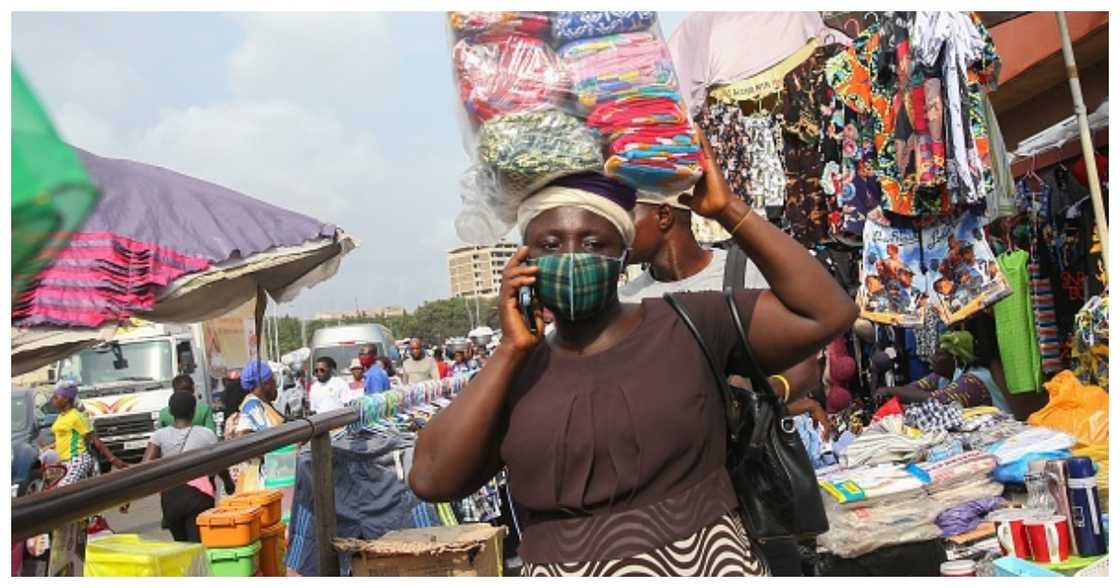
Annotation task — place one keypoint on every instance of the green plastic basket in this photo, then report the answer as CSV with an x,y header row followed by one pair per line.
x,y
235,561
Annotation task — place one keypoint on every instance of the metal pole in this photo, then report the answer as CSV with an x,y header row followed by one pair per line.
x,y
40,513
1086,138
326,518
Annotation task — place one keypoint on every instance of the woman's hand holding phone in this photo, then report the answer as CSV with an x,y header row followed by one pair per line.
x,y
516,333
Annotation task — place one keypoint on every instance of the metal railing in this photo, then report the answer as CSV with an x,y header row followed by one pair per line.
x,y
40,513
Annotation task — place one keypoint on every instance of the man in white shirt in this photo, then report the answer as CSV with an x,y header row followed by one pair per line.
x,y
328,392
677,262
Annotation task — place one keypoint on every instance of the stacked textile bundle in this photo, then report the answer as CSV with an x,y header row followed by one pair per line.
x,y
552,94
627,85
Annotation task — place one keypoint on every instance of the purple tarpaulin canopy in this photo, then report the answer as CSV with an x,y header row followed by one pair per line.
x,y
167,247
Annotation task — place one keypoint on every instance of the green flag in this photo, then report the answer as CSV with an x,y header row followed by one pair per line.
x,y
51,193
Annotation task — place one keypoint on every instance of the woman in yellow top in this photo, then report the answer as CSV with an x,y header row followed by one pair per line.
x,y
72,429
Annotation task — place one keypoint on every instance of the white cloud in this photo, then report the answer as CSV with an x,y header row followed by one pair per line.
x,y
310,57
275,151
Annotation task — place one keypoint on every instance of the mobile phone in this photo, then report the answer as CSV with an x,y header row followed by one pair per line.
x,y
525,300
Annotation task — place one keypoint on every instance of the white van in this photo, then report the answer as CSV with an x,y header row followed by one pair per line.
x,y
342,343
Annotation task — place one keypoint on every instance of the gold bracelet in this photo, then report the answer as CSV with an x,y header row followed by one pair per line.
x,y
746,215
785,382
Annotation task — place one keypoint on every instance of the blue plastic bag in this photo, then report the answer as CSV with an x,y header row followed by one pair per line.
x,y
1014,472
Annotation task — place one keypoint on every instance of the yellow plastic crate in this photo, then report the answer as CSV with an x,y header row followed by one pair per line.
x,y
132,555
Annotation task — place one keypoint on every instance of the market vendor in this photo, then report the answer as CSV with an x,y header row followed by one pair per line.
x,y
614,444
955,377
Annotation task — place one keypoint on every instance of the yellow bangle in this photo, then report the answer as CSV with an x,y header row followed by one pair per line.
x,y
785,382
746,215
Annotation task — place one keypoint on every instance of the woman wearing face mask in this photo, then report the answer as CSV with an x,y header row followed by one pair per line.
x,y
611,427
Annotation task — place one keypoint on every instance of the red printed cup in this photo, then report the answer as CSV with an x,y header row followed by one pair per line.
x,y
1049,538
1011,532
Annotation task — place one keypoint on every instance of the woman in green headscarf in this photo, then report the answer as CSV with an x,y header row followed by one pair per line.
x,y
955,377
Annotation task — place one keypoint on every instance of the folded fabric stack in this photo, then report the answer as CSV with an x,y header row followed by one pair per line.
x,y
869,485
572,26
966,467
859,531
626,85
507,73
616,66
650,142
1032,440
934,415
889,441
484,24
529,149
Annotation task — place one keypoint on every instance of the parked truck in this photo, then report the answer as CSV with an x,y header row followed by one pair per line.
x,y
125,383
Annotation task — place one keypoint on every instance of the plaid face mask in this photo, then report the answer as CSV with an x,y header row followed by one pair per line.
x,y
577,286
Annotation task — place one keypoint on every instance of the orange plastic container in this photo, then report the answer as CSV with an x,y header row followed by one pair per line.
x,y
229,526
274,547
267,500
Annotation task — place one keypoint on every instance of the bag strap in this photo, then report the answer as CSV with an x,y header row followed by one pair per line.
x,y
735,267
721,380
759,381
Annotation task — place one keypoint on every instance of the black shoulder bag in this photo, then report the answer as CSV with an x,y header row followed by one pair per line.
x,y
769,467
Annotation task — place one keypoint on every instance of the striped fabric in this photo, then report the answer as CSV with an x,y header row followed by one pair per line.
x,y
1045,320
720,549
101,277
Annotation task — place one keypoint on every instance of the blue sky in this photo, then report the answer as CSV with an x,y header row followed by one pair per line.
x,y
350,118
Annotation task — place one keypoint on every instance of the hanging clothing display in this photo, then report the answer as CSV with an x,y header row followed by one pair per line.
x,y
848,173
1090,342
960,43
906,268
707,47
881,75
1015,330
807,207
1001,199
748,149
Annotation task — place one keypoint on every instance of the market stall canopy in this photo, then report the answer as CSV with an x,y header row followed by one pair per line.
x,y
166,247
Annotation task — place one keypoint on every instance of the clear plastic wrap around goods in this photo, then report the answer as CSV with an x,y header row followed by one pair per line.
x,y
529,149
522,103
475,24
504,74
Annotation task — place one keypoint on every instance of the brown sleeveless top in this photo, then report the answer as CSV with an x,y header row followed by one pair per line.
x,y
621,452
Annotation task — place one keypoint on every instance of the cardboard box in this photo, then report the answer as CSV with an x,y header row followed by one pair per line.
x,y
464,550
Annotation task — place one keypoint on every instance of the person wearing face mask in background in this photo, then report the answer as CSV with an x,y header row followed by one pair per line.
x,y
375,379
611,428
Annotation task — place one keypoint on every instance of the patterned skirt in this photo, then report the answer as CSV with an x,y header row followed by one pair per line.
x,y
720,549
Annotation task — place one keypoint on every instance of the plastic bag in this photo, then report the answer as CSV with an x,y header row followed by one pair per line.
x,y
572,26
613,76
1016,471
860,531
507,73
527,150
1081,411
474,24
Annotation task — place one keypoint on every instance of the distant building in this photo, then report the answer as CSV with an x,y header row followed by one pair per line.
x,y
477,270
